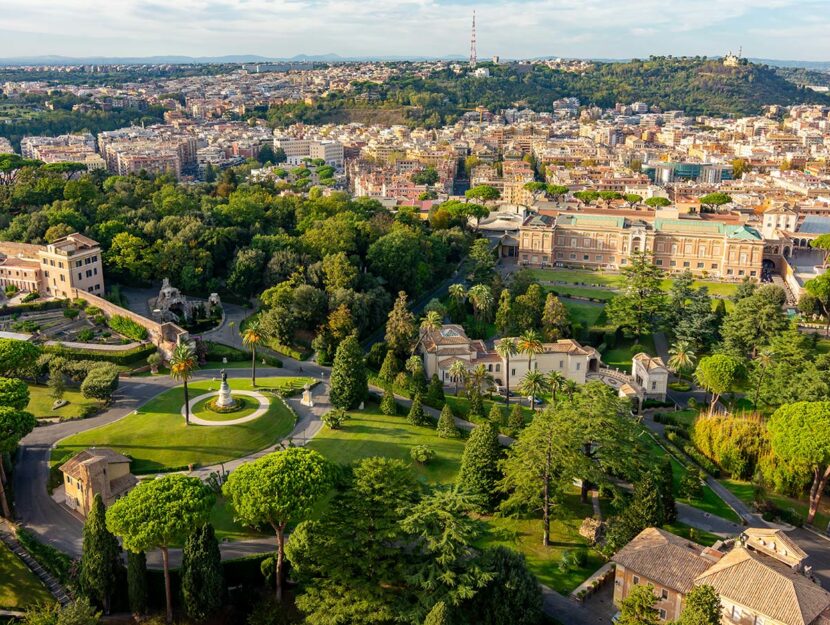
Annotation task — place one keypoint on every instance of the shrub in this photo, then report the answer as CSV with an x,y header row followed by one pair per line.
x,y
704,462
416,412
51,304
435,393
376,355
30,297
446,427
10,290
128,327
92,310
677,430
124,357
71,313
421,454
388,405
99,319
334,418
734,444
100,383
85,335
691,486
680,387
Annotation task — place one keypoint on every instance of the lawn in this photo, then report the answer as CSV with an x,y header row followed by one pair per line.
x,y
369,433
620,357
745,491
246,406
586,314
157,439
40,403
581,291
20,587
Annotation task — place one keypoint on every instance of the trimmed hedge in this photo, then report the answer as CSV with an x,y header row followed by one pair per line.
x,y
53,304
217,351
124,357
128,327
101,382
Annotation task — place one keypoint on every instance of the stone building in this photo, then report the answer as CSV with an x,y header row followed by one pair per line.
x,y
96,471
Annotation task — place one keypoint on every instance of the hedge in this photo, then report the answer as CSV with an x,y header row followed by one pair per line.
x,y
127,327
52,304
101,382
121,357
217,351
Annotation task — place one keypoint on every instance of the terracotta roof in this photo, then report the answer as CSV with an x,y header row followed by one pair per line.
x,y
774,543
766,586
664,559
90,456
650,362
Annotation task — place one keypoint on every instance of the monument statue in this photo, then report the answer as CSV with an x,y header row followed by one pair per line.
x,y
224,400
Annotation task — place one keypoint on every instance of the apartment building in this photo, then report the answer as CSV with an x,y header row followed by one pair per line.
x,y
71,262
298,149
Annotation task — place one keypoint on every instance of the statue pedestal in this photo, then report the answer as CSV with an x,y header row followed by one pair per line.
x,y
225,400
308,399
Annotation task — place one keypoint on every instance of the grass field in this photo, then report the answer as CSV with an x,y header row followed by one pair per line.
x,y
581,291
20,587
247,405
587,314
620,357
40,403
745,491
157,439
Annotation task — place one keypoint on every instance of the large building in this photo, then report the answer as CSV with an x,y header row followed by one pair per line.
x,y
71,262
604,241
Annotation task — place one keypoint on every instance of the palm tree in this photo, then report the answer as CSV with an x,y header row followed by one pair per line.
x,y
681,358
252,336
482,300
458,371
457,292
431,322
533,384
507,348
556,382
479,377
530,343
570,388
765,358
182,365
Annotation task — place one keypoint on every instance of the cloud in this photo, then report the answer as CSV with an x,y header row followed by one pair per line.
x,y
517,28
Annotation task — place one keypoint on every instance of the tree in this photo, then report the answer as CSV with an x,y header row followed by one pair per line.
x,y
14,393
389,368
755,320
701,606
587,196
137,582
528,308
277,489
131,257
77,612
416,411
665,485
400,327
479,470
506,348
504,314
388,405
533,384
435,392
182,365
458,373
554,318
532,475
681,358
516,420
512,597
657,202
159,513
642,300
819,288
530,344
713,201
438,615
481,298
483,193
800,436
458,296
496,415
101,382
14,425
101,559
483,261
201,573
632,199
638,607
556,383
446,426
17,357
822,242
252,336
348,380
718,374
57,387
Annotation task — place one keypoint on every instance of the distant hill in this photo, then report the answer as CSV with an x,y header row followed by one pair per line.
x,y
191,60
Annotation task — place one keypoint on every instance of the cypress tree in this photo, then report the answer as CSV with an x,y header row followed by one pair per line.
x,y
389,368
438,615
388,405
516,421
497,415
100,560
479,471
667,490
435,392
137,582
202,584
476,405
446,424
416,412
349,383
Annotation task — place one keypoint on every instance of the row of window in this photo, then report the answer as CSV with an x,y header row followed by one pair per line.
x,y
89,273
86,261
51,262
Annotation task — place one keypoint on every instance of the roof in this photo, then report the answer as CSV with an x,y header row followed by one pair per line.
x,y
766,586
650,362
663,558
91,456
815,224
774,543
590,221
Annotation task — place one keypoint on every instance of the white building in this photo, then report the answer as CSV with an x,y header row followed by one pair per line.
x,y
298,149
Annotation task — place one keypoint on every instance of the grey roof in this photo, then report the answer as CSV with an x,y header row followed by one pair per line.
x,y
814,224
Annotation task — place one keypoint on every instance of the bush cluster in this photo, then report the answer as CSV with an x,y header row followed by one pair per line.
x,y
128,327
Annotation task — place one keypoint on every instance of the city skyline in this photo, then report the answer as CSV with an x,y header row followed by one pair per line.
x,y
781,29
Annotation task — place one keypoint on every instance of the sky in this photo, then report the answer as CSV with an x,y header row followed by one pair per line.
x,y
780,29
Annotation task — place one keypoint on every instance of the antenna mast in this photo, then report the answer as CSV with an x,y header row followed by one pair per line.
x,y
473,43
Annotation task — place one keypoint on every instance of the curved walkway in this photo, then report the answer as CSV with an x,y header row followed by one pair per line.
x,y
264,404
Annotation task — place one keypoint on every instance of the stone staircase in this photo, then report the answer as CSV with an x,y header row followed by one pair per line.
x,y
58,592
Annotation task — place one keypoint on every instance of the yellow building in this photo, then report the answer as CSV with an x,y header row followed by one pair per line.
x,y
96,471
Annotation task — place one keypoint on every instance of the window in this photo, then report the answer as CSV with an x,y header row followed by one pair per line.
x,y
60,264
714,265
662,614
700,265
664,594
513,372
498,368
78,263
659,262
673,263
63,278
686,263
561,364
586,257
88,273
598,258
729,272
635,580
80,276
654,386
759,620
573,256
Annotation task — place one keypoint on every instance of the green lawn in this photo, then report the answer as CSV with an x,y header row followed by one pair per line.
x,y
581,291
620,357
587,314
247,405
745,491
40,403
685,417
157,439
461,405
20,587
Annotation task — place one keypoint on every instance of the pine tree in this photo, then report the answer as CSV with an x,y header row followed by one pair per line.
x,y
201,572
400,327
388,405
435,392
479,471
666,481
416,412
101,556
438,615
516,421
137,582
504,314
554,318
476,405
446,424
497,415
349,383
389,368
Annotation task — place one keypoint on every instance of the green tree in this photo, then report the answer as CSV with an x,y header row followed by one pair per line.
x,y
713,201
516,420
137,582
681,358
131,257
638,607
14,393
439,615
57,387
530,344
252,336
416,411
277,489
201,573
701,606
446,426
504,314
483,193
533,384
388,405
458,373
159,513
435,391
822,242
718,374
554,318
800,436
17,358
182,365
496,415
101,559
14,425
481,297
389,368
479,470
101,382
506,348
642,301
755,320
657,202
400,327
348,381
819,288
512,597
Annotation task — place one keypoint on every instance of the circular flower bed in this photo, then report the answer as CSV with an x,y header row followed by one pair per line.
x,y
239,403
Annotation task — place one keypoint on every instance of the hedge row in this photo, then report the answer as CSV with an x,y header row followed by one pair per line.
x,y
33,306
127,327
217,351
122,357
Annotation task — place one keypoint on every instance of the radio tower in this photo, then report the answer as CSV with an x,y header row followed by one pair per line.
x,y
473,43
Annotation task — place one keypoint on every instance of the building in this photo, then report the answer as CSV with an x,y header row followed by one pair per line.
x,y
651,375
71,262
296,150
761,580
96,471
